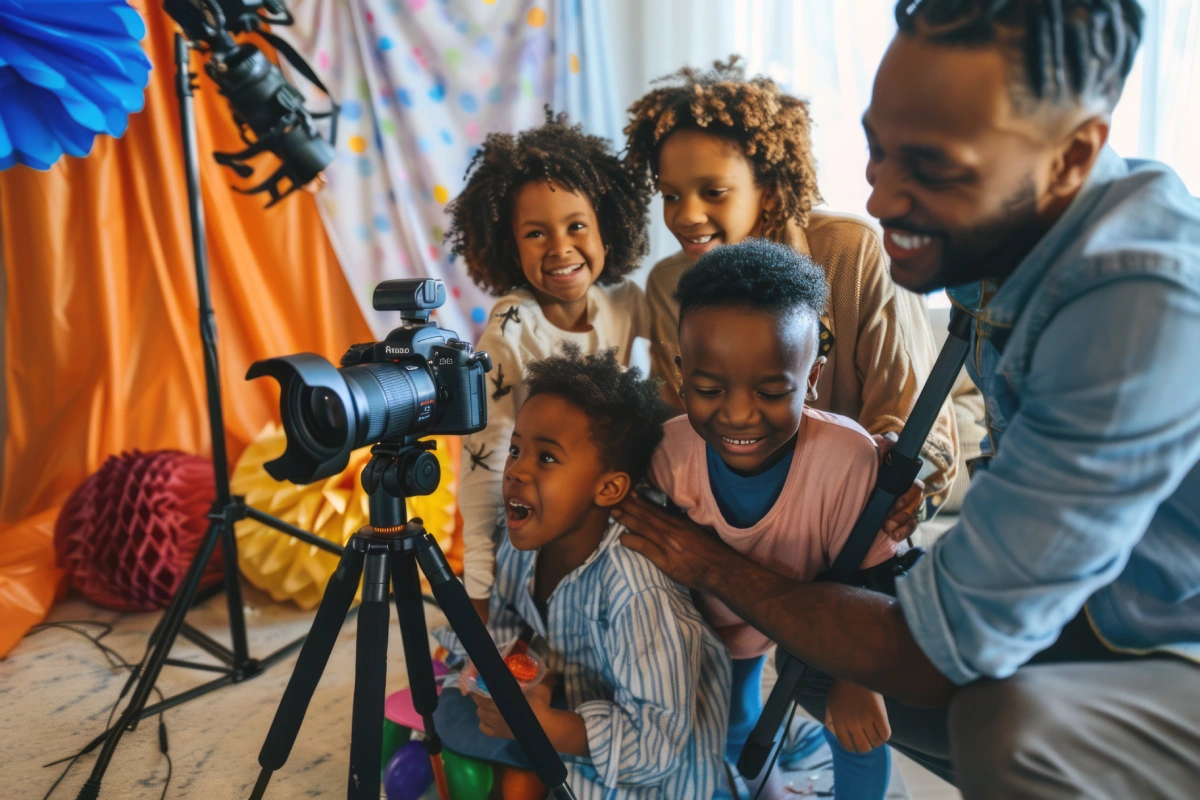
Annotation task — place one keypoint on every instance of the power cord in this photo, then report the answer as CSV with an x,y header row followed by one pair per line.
x,y
116,661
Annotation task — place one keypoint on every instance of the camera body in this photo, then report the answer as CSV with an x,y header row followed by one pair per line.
x,y
420,380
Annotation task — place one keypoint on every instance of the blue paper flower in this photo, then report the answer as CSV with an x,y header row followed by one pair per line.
x,y
69,69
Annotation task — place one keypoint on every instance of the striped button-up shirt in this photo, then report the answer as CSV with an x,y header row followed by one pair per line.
x,y
649,677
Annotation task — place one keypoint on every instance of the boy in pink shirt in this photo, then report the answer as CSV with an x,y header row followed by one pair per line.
x,y
778,481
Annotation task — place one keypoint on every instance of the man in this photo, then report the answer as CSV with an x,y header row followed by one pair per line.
x,y
1055,630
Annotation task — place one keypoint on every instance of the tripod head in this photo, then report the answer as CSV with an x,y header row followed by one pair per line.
x,y
399,470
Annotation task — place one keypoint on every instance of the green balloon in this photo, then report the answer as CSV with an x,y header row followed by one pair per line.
x,y
394,736
468,778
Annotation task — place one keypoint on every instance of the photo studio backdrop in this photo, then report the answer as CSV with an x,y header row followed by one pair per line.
x,y
101,351
421,83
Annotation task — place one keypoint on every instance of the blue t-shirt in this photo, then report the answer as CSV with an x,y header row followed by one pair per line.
x,y
744,500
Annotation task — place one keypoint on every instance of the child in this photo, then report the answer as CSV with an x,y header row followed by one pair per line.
x,y
733,159
779,481
543,218
644,680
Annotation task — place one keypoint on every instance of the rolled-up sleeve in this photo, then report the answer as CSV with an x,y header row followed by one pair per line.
x,y
638,738
1108,427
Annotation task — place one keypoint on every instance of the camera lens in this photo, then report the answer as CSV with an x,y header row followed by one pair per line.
x,y
326,417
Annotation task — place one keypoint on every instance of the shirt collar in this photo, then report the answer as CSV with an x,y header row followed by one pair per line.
x,y
611,539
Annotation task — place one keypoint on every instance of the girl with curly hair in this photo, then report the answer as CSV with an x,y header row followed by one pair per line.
x,y
732,158
550,223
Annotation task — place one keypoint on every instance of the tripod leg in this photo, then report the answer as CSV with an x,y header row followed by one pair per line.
x,y
410,608
178,610
762,739
339,594
370,677
510,700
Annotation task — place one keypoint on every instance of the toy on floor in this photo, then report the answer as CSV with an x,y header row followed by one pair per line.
x,y
468,778
520,784
409,773
400,719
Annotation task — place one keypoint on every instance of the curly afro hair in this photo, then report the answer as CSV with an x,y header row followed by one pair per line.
x,y
771,128
481,216
757,274
625,410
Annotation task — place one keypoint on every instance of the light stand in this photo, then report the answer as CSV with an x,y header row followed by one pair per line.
x,y
226,510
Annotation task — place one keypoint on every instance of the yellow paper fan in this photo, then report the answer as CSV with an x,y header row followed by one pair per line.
x,y
333,509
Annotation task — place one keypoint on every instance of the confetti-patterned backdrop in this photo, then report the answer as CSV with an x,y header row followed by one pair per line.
x,y
421,82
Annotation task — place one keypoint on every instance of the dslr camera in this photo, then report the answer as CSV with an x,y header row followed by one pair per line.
x,y
419,381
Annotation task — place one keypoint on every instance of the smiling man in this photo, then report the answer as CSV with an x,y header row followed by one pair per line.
x,y
1055,629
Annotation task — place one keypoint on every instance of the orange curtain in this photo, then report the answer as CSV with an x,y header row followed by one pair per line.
x,y
103,351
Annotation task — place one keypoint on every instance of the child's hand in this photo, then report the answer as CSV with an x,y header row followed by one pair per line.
x,y
857,717
492,723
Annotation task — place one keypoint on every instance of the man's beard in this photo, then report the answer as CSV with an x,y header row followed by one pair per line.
x,y
993,248
989,249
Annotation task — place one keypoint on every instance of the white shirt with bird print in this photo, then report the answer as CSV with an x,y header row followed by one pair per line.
x,y
518,333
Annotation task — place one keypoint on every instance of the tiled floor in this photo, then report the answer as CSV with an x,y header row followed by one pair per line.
x,y
56,691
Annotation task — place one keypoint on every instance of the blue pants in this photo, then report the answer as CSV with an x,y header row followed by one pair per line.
x,y
856,776
745,704
859,776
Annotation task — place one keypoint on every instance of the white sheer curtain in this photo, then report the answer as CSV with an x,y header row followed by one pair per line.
x,y
828,50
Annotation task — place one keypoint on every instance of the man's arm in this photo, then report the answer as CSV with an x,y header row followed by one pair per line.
x,y
851,633
1109,426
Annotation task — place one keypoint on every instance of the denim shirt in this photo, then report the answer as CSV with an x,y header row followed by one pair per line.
x,y
1088,357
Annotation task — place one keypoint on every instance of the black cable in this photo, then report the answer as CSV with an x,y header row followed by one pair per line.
x,y
115,660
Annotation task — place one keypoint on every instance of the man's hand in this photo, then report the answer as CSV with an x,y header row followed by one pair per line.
x,y
857,717
679,547
902,518
493,724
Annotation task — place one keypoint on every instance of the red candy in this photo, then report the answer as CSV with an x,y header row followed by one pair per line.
x,y
521,666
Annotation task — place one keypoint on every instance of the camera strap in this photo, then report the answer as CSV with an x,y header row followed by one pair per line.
x,y
901,464
296,60
897,471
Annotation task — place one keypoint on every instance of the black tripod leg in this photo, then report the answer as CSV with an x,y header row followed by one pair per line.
x,y
410,608
178,610
510,700
370,678
762,739
339,594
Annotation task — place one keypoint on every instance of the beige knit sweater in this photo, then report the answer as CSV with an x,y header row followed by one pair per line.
x,y
876,338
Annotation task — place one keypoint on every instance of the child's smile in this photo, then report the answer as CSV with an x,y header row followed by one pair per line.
x,y
558,243
745,375
709,192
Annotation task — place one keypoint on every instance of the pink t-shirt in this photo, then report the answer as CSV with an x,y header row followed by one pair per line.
x,y
831,476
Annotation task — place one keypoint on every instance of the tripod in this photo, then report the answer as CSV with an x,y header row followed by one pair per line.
x,y
390,549
226,510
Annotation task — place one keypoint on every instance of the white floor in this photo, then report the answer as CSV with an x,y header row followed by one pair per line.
x,y
56,691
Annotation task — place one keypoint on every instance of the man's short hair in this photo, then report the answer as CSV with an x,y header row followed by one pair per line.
x,y
756,274
1063,52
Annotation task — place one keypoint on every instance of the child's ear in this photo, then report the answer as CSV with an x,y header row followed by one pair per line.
x,y
813,375
612,489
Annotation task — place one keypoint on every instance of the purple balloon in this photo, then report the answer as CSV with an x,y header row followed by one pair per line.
x,y
409,773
